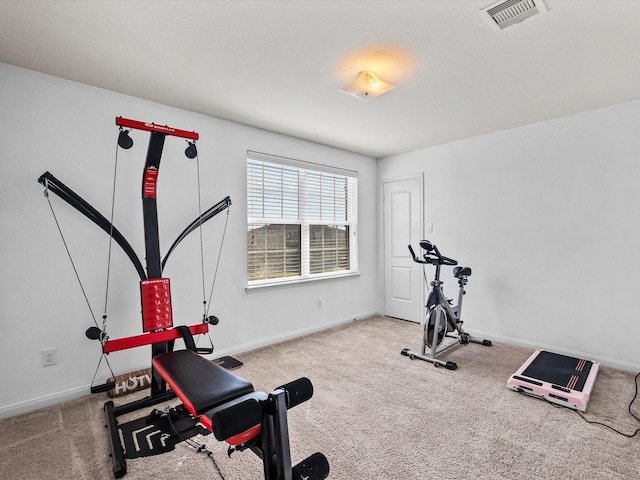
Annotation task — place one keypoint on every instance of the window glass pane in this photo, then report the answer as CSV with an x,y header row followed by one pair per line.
x,y
328,248
274,251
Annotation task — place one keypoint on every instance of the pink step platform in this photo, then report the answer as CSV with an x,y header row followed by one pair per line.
x,y
560,379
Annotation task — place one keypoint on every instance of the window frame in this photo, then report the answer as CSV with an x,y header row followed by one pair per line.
x,y
351,220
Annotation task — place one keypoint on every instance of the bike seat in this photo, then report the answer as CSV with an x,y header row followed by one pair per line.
x,y
462,272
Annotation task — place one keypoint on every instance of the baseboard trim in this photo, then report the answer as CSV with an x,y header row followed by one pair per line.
x,y
603,360
303,332
49,400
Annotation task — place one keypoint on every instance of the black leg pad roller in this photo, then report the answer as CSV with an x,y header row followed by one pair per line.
x,y
243,413
298,391
237,416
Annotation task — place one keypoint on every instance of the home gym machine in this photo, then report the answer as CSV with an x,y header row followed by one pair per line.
x,y
442,319
212,397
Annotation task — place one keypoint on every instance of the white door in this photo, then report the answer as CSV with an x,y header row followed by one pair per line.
x,y
402,219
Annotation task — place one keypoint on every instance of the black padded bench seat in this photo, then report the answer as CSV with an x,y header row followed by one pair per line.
x,y
199,383
228,406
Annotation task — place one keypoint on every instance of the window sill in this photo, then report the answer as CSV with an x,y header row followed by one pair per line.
x,y
262,287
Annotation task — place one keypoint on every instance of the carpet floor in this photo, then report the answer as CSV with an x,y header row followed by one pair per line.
x,y
375,414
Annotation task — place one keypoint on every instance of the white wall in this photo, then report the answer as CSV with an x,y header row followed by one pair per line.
x,y
544,214
69,129
547,217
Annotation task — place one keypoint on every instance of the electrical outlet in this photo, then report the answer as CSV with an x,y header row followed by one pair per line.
x,y
319,303
49,357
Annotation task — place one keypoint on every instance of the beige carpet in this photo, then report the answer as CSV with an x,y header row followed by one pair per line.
x,y
375,415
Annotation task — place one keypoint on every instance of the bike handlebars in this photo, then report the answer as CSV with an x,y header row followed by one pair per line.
x,y
432,257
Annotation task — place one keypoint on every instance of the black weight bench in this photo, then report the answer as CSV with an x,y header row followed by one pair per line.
x,y
230,407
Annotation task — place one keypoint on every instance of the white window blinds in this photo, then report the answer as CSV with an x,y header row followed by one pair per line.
x,y
302,219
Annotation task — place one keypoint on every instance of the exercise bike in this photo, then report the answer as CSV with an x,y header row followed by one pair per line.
x,y
442,319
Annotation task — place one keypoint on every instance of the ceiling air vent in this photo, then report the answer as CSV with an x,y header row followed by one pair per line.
x,y
506,13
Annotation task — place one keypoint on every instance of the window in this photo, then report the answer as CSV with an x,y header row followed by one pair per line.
x,y
301,220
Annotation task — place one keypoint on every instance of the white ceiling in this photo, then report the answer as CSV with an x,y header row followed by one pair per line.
x,y
278,65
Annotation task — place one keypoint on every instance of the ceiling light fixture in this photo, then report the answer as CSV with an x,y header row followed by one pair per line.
x,y
366,86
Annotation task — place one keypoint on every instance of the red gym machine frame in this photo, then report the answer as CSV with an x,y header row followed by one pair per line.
x,y
156,307
269,437
156,324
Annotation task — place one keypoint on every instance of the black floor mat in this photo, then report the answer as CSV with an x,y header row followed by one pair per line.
x,y
158,433
228,362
